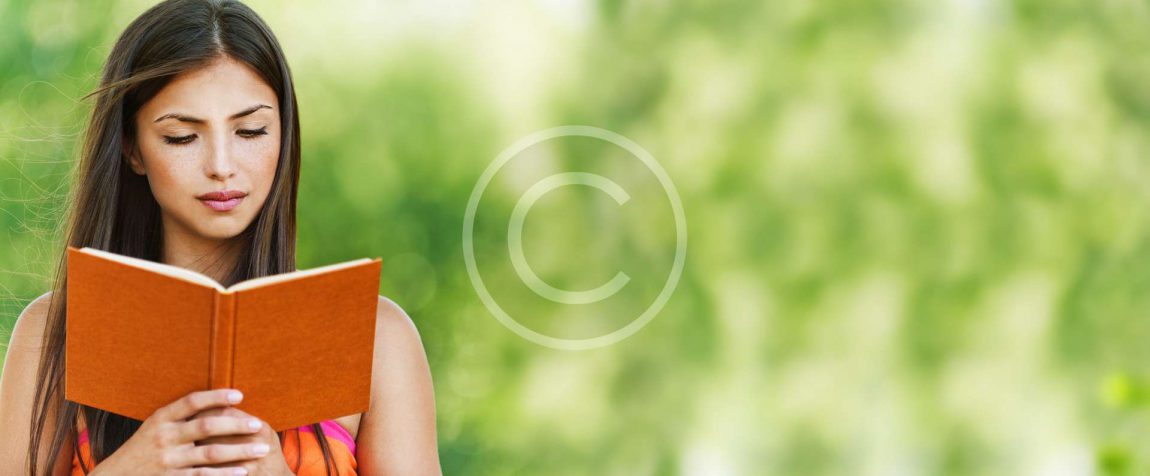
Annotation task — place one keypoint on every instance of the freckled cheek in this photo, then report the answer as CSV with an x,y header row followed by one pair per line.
x,y
172,179
262,169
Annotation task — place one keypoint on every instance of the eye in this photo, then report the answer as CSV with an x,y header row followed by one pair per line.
x,y
179,140
253,133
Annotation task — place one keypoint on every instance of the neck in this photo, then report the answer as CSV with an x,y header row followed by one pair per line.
x,y
213,258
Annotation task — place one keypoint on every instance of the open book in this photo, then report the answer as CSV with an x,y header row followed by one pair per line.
x,y
142,334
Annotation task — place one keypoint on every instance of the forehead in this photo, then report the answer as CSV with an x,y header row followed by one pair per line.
x,y
212,92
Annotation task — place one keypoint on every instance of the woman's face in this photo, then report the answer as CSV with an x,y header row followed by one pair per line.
x,y
214,129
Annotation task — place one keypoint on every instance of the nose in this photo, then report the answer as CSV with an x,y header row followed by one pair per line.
x,y
220,164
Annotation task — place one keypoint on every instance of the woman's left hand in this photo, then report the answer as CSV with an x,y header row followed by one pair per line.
x,y
271,464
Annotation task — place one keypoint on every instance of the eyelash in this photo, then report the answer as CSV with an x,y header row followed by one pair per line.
x,y
245,133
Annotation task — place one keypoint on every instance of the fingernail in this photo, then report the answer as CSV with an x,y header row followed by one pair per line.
x,y
235,396
260,449
254,424
241,472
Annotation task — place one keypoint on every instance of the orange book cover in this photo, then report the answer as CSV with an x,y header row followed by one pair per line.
x,y
142,334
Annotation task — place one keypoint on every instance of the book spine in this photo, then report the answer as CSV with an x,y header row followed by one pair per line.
x,y
223,341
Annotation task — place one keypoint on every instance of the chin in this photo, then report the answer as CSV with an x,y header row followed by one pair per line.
x,y
216,236
226,232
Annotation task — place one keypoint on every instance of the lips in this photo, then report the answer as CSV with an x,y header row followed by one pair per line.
x,y
223,200
222,195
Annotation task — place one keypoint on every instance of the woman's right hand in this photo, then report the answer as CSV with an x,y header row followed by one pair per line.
x,y
165,444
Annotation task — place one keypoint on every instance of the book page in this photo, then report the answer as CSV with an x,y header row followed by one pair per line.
x,y
161,268
266,280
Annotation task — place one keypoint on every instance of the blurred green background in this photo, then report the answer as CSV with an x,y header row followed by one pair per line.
x,y
918,230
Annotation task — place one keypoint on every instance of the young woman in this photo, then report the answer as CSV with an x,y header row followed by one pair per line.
x,y
192,158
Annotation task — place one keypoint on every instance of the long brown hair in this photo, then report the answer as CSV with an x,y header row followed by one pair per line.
x,y
112,208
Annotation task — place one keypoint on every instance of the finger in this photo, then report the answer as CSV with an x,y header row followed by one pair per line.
x,y
206,427
196,402
222,411
216,454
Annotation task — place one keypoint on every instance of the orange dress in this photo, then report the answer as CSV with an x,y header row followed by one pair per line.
x,y
299,444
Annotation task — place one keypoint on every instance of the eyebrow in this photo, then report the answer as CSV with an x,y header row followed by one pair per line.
x,y
185,118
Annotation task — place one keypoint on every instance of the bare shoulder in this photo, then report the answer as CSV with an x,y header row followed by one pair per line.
x,y
394,320
397,433
17,386
29,327
398,345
